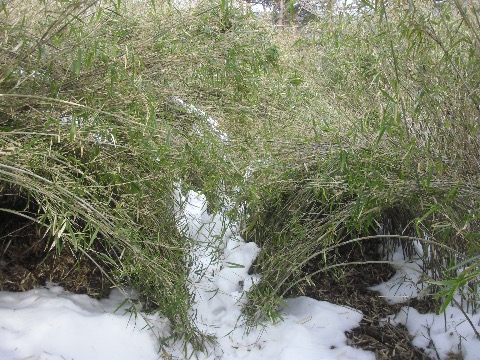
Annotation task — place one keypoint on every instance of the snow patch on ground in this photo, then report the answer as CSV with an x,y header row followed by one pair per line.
x,y
438,335
441,334
406,284
50,323
220,283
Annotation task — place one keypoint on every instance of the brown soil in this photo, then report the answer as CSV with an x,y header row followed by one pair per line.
x,y
351,289
28,260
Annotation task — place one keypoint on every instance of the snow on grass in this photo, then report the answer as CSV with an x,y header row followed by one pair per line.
x,y
220,282
50,323
211,122
439,335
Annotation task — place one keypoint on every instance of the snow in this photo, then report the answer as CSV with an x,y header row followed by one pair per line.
x,y
438,335
211,122
105,137
310,329
406,283
50,323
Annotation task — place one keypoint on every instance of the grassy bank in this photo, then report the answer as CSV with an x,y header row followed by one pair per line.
x,y
349,127
390,146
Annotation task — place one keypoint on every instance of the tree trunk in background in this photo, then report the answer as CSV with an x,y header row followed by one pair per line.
x,y
281,7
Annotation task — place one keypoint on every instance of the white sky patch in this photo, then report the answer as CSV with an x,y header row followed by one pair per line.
x,y
261,8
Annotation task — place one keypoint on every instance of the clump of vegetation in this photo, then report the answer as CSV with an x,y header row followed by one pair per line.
x,y
91,146
391,150
103,115
349,124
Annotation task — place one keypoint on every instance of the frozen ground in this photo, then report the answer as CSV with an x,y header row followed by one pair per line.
x,y
50,323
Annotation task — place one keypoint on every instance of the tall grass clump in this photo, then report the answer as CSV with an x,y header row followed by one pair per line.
x,y
106,107
82,143
335,134
93,141
387,146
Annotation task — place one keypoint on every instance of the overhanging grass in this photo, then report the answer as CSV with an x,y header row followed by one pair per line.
x,y
334,129
97,147
393,139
